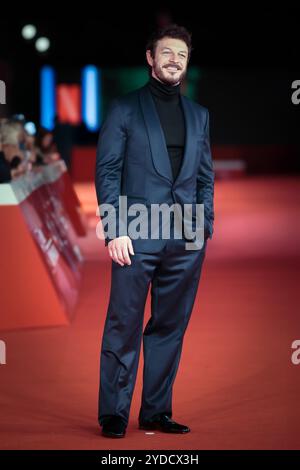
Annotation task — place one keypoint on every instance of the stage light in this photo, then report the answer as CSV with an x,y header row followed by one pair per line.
x,y
42,44
30,128
47,98
91,97
28,31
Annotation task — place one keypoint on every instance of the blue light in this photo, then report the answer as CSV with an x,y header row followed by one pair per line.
x,y
91,95
30,128
48,102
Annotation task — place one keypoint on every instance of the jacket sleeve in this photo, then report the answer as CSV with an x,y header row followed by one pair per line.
x,y
205,182
109,162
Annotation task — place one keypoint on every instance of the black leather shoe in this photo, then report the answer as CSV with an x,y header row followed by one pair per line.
x,y
114,426
164,423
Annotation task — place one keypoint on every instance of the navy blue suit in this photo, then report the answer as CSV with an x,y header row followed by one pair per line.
x,y
132,160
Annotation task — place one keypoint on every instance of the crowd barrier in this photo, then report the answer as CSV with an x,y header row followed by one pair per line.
x,y
41,261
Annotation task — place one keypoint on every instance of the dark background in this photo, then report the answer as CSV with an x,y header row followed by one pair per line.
x,y
248,57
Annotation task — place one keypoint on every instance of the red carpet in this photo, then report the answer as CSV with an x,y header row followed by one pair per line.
x,y
236,386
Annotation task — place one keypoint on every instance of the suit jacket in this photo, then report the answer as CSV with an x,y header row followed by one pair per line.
x,y
132,160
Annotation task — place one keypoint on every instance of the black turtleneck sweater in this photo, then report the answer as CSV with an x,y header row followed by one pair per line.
x,y
169,109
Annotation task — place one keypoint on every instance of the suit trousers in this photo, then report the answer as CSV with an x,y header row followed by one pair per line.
x,y
174,275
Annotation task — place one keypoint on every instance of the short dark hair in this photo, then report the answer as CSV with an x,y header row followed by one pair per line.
x,y
170,31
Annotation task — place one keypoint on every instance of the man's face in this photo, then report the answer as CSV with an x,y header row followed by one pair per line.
x,y
170,61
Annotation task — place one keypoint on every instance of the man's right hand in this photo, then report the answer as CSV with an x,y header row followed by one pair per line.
x,y
119,250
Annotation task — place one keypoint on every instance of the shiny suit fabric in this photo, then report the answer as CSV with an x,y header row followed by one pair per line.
x,y
132,160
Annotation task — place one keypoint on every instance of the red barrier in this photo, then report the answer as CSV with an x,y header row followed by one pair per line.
x,y
40,259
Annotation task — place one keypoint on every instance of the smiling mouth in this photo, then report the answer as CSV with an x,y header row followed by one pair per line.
x,y
172,69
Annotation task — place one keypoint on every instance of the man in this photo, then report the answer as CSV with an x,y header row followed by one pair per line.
x,y
154,148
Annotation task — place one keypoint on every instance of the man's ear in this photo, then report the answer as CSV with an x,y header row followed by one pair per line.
x,y
149,57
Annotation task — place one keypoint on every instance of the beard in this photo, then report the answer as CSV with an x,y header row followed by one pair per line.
x,y
166,77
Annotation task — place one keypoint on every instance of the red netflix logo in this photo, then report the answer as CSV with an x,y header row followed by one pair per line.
x,y
69,104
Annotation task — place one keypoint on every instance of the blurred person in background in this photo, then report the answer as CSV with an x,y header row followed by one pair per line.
x,y
34,155
12,158
46,146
